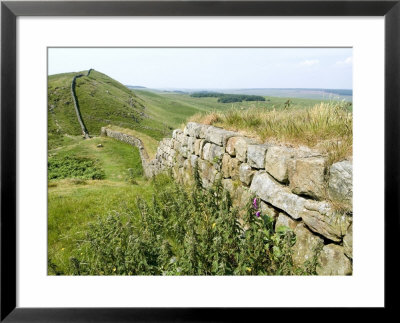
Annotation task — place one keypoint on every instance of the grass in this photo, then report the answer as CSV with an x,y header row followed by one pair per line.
x,y
73,202
327,127
149,143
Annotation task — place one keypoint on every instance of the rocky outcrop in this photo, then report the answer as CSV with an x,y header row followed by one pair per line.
x,y
292,184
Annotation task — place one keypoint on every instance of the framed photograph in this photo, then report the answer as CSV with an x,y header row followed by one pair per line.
x,y
178,160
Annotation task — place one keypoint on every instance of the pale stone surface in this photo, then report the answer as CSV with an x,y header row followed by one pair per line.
x,y
226,165
276,162
190,142
198,146
320,218
234,168
206,152
333,261
307,177
240,147
305,246
340,184
212,152
287,221
193,129
230,146
279,196
193,159
269,210
246,173
348,242
256,155
218,136
176,132
228,185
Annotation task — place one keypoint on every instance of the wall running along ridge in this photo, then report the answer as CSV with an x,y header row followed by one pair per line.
x,y
85,132
295,185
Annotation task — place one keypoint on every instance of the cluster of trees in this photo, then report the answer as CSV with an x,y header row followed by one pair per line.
x,y
227,98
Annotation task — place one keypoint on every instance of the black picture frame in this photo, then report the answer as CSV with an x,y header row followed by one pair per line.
x,y
10,10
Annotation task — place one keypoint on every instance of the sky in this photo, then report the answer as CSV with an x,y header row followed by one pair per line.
x,y
207,68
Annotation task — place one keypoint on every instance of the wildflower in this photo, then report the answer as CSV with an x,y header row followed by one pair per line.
x,y
248,269
114,269
255,203
62,249
258,214
213,225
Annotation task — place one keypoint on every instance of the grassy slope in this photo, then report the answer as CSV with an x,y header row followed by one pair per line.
x,y
72,205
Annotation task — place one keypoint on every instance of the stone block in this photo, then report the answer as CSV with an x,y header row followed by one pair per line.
x,y
340,184
256,155
333,261
307,177
306,245
276,162
246,173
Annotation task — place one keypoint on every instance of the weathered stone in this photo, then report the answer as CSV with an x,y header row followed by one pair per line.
x,y
193,129
203,131
279,196
307,177
287,221
234,168
212,152
306,244
246,173
240,146
198,146
184,151
276,162
333,261
256,155
320,218
177,145
206,152
190,143
180,137
219,136
269,210
340,184
348,242
176,132
226,165
228,185
193,159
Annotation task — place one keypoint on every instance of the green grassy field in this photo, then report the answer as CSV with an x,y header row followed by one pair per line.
x,y
72,203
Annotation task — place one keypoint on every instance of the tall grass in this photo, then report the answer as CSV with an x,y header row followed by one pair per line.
x,y
327,126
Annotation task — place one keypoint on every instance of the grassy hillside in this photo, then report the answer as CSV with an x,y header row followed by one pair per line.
x,y
102,101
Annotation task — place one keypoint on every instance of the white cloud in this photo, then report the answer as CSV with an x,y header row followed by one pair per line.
x,y
347,61
310,62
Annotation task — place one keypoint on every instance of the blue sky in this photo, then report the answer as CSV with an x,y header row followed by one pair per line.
x,y
191,68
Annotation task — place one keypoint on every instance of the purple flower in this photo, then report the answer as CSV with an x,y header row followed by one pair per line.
x,y
255,203
258,214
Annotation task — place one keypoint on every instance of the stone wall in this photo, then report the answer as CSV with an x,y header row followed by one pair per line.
x,y
149,167
85,132
296,186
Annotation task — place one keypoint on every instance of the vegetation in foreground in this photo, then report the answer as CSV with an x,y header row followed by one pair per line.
x,y
326,126
184,231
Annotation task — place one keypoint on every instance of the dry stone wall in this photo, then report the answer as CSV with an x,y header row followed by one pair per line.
x,y
85,132
148,165
296,186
